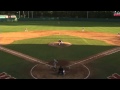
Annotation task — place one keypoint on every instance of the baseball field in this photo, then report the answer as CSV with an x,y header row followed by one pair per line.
x,y
90,50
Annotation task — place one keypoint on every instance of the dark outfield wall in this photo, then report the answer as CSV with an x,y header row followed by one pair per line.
x,y
69,19
8,19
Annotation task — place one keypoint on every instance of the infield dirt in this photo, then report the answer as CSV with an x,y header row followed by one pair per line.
x,y
7,38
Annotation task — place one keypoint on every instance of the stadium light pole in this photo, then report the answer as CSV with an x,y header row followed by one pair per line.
x,y
28,14
87,14
23,14
32,14
19,14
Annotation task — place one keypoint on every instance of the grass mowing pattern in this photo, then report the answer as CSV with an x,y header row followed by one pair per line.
x,y
15,66
104,67
109,27
38,47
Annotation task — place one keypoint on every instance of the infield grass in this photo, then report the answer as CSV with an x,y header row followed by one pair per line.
x,y
39,48
104,67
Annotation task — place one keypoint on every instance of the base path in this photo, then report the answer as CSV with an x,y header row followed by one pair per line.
x,y
24,56
7,38
94,57
74,70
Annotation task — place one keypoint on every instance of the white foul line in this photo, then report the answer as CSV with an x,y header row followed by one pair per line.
x,y
22,55
31,72
108,52
88,71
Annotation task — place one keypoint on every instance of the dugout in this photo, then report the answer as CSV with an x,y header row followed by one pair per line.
x,y
8,18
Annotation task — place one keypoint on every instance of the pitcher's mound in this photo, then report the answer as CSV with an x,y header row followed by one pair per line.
x,y
56,44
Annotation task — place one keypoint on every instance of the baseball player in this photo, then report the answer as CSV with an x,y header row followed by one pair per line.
x,y
26,30
118,35
61,71
55,64
83,29
60,42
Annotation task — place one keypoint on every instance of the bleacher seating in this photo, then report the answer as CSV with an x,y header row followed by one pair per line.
x,y
114,76
4,75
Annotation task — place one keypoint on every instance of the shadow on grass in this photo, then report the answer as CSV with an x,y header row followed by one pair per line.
x,y
15,66
46,52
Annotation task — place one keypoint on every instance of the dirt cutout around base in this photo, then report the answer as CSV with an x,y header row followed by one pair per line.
x,y
45,72
63,44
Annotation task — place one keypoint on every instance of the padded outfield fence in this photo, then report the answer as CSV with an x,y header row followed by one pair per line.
x,y
69,19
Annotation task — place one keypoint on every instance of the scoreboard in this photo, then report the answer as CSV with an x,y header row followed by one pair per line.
x,y
7,16
3,16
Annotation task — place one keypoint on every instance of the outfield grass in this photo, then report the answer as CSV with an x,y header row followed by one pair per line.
x,y
104,67
109,27
38,47
15,66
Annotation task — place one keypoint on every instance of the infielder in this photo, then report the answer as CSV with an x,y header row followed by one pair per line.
x,y
83,29
26,30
